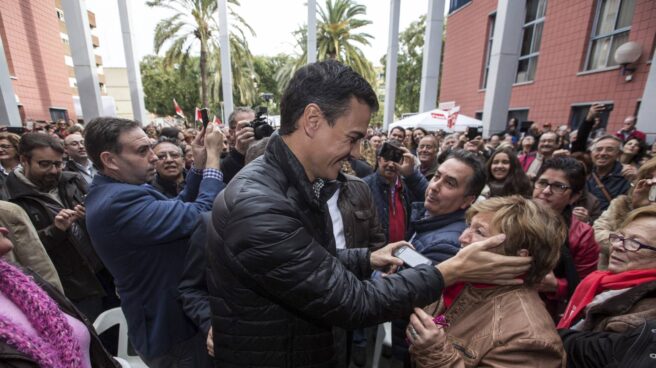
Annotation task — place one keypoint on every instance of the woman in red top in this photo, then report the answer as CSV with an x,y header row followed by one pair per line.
x,y
559,184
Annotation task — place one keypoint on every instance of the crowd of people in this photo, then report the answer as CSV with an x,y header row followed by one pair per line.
x,y
230,250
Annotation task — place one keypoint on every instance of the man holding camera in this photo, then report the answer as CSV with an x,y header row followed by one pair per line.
x,y
277,283
395,185
240,137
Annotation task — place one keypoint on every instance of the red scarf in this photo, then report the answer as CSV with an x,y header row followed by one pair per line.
x,y
451,293
597,282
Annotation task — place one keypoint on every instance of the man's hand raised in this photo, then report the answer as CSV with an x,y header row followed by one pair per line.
x,y
475,263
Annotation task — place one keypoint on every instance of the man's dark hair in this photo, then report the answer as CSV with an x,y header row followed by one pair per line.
x,y
232,119
101,134
170,133
476,182
573,169
32,141
329,84
397,128
256,150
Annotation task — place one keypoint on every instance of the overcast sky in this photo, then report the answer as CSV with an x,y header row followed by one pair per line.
x,y
272,20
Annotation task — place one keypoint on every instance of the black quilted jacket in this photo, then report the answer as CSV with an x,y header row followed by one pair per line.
x,y
277,285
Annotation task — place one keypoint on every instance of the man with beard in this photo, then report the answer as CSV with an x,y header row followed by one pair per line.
x,y
169,179
394,187
427,154
78,160
546,148
54,201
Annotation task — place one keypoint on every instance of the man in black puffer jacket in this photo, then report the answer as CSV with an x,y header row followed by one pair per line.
x,y
277,283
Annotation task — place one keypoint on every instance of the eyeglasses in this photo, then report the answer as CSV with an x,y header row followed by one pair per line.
x,y
47,164
173,155
558,188
6,146
628,244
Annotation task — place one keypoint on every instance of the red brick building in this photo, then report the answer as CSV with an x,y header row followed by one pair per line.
x,y
30,34
35,42
566,60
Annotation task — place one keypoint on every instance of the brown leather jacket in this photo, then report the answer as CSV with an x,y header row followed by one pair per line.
x,y
505,326
362,227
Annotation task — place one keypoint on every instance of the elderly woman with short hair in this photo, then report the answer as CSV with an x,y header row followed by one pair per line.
x,y
496,326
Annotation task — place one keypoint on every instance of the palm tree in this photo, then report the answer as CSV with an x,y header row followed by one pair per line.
x,y
337,38
336,35
194,24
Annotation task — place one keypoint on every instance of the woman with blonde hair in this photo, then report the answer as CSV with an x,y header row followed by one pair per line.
x,y
8,152
496,326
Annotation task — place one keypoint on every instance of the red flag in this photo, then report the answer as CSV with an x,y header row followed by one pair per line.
x,y
178,110
453,117
199,117
216,120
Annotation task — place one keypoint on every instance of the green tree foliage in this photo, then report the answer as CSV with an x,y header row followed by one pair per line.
x,y
194,26
161,84
265,68
338,38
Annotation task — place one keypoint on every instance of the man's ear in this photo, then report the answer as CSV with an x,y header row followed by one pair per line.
x,y
24,160
523,253
469,200
108,160
311,119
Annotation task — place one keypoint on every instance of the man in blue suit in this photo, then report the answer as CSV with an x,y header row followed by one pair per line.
x,y
142,236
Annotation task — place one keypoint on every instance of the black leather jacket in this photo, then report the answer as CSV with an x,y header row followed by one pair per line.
x,y
277,284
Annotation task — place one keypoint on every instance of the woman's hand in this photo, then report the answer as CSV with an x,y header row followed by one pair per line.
x,y
422,332
640,195
581,213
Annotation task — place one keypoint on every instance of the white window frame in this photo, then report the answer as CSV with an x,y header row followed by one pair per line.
x,y
593,37
491,24
533,55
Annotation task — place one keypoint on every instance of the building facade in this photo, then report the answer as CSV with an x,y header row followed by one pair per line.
x,y
566,58
35,42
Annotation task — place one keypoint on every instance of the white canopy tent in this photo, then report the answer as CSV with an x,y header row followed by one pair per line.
x,y
435,120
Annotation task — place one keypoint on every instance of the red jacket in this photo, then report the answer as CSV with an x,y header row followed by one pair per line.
x,y
526,159
585,253
635,133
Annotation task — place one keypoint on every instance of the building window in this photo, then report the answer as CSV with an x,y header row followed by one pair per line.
x,y
488,52
60,15
610,29
579,113
68,60
531,39
72,82
520,114
58,114
457,4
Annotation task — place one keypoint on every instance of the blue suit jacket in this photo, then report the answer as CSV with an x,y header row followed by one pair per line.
x,y
142,238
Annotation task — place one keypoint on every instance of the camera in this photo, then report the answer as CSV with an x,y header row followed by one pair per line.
x,y
391,153
260,126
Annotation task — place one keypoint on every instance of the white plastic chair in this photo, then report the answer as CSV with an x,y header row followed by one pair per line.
x,y
109,319
383,337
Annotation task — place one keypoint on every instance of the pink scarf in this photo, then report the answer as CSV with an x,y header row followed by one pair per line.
x,y
55,346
